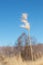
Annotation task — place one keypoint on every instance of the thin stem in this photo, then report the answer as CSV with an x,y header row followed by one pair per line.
x,y
31,47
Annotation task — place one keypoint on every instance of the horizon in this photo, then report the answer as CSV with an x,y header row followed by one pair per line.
x,y
10,20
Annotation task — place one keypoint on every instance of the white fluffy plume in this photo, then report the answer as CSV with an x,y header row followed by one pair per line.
x,y
24,16
25,21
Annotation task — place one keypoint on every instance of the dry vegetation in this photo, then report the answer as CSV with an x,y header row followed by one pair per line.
x,y
18,61
21,55
21,58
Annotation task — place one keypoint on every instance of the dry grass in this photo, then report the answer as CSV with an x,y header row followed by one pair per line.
x,y
18,61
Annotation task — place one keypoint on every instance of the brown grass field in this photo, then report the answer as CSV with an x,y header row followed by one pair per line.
x,y
18,61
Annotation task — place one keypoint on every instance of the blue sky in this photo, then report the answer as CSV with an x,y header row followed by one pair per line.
x,y
10,14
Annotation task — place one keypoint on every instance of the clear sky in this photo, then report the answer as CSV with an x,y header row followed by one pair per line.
x,y
10,14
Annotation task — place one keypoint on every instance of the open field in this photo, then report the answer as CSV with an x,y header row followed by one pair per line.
x,y
11,56
18,61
